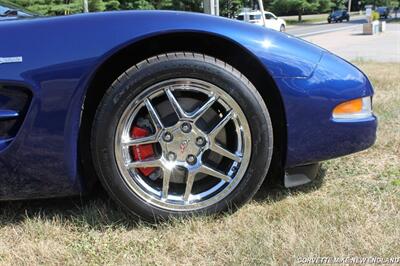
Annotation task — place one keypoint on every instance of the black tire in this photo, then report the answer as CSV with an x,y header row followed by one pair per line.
x,y
164,67
282,28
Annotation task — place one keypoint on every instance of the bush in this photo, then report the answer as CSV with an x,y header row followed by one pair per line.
x,y
375,16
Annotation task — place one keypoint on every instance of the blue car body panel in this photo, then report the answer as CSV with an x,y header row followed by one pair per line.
x,y
313,135
61,56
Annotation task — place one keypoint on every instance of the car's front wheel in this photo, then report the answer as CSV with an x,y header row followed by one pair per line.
x,y
181,134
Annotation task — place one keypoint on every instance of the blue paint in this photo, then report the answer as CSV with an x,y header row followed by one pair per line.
x,y
313,135
8,114
61,54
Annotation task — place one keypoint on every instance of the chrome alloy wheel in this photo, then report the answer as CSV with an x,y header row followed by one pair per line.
x,y
202,153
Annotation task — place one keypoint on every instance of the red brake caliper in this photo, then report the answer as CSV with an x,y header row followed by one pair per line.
x,y
142,152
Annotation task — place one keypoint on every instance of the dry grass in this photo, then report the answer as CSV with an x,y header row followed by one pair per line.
x,y
353,209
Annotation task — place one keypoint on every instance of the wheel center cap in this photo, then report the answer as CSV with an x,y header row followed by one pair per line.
x,y
184,142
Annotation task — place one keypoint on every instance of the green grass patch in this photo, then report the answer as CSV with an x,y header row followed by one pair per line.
x,y
396,182
305,21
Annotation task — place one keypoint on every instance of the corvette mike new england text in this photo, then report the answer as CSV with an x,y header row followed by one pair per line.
x,y
348,260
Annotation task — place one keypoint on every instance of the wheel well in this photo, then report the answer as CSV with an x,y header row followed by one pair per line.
x,y
211,45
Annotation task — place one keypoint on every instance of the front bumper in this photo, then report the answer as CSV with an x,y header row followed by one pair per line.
x,y
313,135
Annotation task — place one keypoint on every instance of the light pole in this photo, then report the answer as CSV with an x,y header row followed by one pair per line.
x,y
349,6
85,6
211,7
261,6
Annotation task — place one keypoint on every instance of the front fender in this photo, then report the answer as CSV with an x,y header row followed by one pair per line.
x,y
61,53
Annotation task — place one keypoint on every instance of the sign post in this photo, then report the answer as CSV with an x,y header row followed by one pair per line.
x,y
261,5
211,7
85,6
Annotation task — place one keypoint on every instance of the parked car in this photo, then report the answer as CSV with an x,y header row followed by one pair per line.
x,y
271,21
186,115
383,12
338,16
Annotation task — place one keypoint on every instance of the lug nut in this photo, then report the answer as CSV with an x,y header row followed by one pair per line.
x,y
200,141
186,127
168,137
191,159
171,156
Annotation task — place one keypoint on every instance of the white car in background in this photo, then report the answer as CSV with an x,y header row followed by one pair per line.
x,y
271,21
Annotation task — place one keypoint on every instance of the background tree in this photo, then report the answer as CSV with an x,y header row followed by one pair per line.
x,y
281,7
96,5
142,4
324,6
52,7
112,5
291,7
338,4
162,4
230,8
188,5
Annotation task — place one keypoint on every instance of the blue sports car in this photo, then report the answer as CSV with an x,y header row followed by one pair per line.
x,y
174,113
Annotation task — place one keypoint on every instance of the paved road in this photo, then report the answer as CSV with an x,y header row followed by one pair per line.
x,y
319,28
314,16
351,44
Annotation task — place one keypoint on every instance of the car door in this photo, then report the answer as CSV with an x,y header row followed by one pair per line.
x,y
271,21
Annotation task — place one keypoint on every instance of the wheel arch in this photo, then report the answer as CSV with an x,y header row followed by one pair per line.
x,y
210,44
